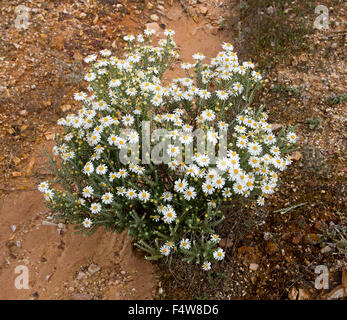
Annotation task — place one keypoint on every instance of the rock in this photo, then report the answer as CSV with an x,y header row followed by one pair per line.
x,y
34,296
253,266
326,249
224,244
203,10
30,166
296,156
61,228
81,296
153,25
13,228
48,223
271,247
65,107
49,276
49,136
16,174
214,30
81,275
337,293
23,112
303,294
293,294
93,268
154,17
149,6
276,126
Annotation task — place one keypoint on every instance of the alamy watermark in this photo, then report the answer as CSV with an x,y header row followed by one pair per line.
x,y
22,17
162,146
322,21
322,281
21,281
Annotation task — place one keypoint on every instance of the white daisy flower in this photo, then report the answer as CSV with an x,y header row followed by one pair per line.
x,y
43,186
222,95
218,182
48,194
212,136
275,151
185,244
90,58
165,250
186,65
227,46
87,223
219,254
131,91
131,194
90,76
227,193
107,198
189,193
167,196
254,148
223,164
144,196
112,176
186,138
169,214
208,115
206,266
88,168
239,188
95,208
202,160
291,137
169,32
173,151
260,201
105,52
180,185
114,83
215,238
122,173
208,188
198,56
133,137
81,202
87,191
149,32
204,94
80,96
128,120
101,169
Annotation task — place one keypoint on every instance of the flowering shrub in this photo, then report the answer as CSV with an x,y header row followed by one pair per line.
x,y
128,159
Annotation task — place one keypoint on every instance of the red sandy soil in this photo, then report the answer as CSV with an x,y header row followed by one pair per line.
x,y
57,259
